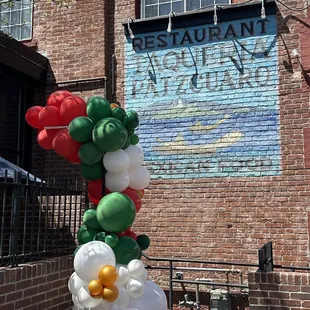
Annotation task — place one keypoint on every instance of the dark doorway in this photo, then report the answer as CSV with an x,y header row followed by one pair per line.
x,y
15,137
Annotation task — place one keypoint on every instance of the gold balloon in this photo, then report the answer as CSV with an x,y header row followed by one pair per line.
x,y
107,275
114,105
96,296
110,293
140,193
95,288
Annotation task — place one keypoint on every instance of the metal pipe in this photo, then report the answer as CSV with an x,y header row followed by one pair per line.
x,y
56,127
20,132
184,260
232,271
92,80
209,283
113,77
170,286
291,267
197,297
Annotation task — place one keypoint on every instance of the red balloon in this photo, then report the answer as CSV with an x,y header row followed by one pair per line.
x,y
128,233
32,116
121,234
134,196
131,234
140,193
45,138
75,159
56,98
94,189
71,108
65,146
93,200
50,116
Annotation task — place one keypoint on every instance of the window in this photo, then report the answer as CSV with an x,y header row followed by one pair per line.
x,y
151,8
16,18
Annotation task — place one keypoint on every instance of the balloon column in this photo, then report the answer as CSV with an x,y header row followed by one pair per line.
x,y
101,138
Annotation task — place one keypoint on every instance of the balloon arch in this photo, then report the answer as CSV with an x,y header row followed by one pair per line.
x,y
100,137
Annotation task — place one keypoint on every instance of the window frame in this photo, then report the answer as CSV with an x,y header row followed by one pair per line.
x,y
22,8
143,6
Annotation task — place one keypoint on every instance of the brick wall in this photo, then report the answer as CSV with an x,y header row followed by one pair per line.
x,y
279,291
42,285
73,39
228,217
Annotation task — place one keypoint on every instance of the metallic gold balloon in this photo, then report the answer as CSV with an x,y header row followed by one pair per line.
x,y
114,105
96,296
107,275
110,293
95,288
140,193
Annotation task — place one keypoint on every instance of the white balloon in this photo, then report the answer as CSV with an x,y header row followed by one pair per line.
x,y
101,306
86,300
76,302
114,307
117,182
135,287
139,146
90,258
75,284
76,308
143,277
123,276
135,155
139,178
122,300
131,309
135,268
116,162
153,298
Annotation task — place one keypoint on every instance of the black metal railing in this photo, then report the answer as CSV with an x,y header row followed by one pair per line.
x,y
38,218
265,264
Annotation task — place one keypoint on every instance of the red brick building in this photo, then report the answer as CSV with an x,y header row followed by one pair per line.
x,y
244,179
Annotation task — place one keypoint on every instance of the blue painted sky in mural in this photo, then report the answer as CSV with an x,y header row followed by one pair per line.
x,y
209,109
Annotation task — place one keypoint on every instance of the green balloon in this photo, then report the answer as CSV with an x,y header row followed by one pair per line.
x,y
111,240
126,250
81,129
100,236
89,153
76,250
134,139
98,108
110,135
126,145
130,132
116,212
131,120
91,172
85,234
119,114
143,241
90,219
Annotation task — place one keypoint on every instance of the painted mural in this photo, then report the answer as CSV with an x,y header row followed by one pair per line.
x,y
207,97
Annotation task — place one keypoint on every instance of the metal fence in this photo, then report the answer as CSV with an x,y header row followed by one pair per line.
x,y
38,218
265,264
